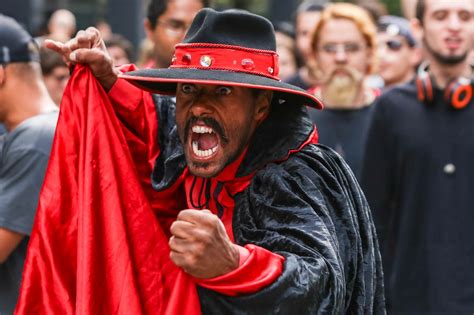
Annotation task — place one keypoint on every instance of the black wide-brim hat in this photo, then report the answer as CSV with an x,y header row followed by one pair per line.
x,y
232,47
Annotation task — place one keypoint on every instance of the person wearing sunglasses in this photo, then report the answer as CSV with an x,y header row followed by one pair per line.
x,y
397,49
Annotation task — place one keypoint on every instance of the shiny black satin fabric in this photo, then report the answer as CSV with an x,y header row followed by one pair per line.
x,y
311,210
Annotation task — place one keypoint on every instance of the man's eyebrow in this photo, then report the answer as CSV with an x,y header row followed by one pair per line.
x,y
176,21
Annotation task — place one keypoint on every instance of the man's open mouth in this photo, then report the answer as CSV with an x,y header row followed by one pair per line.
x,y
204,141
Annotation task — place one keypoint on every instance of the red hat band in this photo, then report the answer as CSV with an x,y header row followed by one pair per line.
x,y
208,56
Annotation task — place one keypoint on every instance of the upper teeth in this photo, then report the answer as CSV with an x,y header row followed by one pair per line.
x,y
202,129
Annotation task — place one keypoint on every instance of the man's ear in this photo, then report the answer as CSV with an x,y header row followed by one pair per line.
x,y
416,56
148,29
263,102
417,29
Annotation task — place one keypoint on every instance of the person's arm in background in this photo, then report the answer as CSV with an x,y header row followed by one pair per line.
x,y
9,240
20,184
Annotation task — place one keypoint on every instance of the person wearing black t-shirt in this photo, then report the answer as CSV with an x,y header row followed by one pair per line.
x,y
418,171
344,45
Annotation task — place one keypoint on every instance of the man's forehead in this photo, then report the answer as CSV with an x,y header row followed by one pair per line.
x,y
331,30
183,9
439,5
307,20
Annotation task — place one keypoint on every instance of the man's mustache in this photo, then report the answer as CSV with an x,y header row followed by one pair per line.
x,y
208,121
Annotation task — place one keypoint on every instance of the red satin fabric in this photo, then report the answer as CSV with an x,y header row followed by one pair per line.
x,y
97,247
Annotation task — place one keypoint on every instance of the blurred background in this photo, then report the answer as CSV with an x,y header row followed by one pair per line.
x,y
35,14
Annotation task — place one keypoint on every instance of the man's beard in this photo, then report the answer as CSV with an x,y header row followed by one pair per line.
x,y
342,90
443,59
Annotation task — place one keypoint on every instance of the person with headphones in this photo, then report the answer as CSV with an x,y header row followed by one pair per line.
x,y
418,170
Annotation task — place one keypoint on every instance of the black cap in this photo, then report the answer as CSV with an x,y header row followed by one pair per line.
x,y
395,25
16,45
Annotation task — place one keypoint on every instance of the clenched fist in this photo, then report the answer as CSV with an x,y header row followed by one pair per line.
x,y
200,246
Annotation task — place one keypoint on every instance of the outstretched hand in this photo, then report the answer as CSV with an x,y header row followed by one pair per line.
x,y
200,245
88,47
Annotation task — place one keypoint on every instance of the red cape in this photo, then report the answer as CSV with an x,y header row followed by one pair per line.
x,y
97,247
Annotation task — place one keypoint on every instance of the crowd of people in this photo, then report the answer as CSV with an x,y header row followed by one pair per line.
x,y
334,179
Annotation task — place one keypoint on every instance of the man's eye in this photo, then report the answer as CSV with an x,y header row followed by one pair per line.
x,y
440,15
223,90
188,88
465,15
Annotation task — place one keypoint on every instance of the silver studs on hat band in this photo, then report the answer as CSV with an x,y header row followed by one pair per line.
x,y
205,61
248,64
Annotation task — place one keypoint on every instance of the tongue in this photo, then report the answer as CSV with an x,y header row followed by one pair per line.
x,y
207,141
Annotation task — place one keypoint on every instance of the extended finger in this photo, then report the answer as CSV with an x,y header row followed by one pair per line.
x,y
54,45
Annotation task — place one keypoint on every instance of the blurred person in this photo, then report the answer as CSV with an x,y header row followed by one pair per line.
x,y
146,53
399,53
375,8
166,24
2,129
104,28
408,8
307,17
120,49
61,27
470,57
29,115
344,45
259,219
418,170
55,73
286,50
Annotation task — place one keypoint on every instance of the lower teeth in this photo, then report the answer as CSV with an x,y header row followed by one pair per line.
x,y
202,153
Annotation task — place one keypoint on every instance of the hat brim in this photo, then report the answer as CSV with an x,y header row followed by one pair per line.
x,y
164,81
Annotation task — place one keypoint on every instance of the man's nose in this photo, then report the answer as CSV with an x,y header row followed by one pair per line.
x,y
201,107
454,22
341,55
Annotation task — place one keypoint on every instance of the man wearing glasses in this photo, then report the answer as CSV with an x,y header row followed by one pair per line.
x,y
166,24
398,50
344,45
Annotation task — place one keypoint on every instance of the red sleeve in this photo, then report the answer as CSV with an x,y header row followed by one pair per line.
x,y
138,119
258,270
